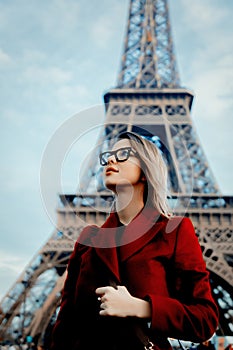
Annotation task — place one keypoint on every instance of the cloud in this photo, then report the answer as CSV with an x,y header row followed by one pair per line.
x,y
45,75
21,173
204,34
13,117
5,59
11,266
33,55
212,87
59,17
203,15
69,94
104,31
11,262
207,50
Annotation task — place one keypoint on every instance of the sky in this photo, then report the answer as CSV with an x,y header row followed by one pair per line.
x,y
57,59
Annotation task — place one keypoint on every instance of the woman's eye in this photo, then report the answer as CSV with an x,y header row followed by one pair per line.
x,y
123,154
106,156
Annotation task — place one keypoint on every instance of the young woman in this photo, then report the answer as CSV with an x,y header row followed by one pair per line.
x,y
140,278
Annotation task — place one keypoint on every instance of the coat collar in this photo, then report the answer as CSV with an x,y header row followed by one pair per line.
x,y
113,239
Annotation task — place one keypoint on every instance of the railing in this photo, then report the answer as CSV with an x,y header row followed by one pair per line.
x,y
104,200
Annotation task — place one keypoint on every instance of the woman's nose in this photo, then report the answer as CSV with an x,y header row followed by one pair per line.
x,y
112,159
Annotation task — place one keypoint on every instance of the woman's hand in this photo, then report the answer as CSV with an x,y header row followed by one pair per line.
x,y
119,302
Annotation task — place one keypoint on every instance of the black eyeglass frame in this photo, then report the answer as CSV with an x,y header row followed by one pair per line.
x,y
114,153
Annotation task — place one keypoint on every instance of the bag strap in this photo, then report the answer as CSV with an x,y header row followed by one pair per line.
x,y
138,330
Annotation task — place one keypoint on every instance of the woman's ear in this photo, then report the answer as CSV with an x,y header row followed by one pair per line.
x,y
143,178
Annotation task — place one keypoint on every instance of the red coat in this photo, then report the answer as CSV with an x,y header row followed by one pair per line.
x,y
159,260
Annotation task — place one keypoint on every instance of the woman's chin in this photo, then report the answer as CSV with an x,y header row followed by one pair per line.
x,y
110,186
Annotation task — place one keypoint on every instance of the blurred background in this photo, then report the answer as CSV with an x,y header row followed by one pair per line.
x,y
57,58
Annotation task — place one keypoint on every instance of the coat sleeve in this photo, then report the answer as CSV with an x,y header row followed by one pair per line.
x,y
190,313
65,322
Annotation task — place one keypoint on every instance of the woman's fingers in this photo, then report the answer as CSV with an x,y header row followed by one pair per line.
x,y
103,290
114,302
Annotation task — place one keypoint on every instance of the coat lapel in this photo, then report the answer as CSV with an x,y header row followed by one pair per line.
x,y
105,243
127,250
129,239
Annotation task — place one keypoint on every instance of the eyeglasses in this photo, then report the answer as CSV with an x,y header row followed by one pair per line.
x,y
121,155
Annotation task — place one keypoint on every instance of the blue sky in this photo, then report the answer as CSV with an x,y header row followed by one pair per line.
x,y
57,58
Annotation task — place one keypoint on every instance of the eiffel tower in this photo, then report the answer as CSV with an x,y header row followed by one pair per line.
x,y
147,99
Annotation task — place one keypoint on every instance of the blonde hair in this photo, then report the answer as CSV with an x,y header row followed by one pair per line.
x,y
154,169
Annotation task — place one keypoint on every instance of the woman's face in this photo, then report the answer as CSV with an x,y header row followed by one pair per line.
x,y
121,174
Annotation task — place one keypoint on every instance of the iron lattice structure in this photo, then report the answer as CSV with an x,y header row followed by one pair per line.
x,y
147,99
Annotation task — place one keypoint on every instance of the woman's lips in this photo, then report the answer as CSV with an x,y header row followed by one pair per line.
x,y
111,169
